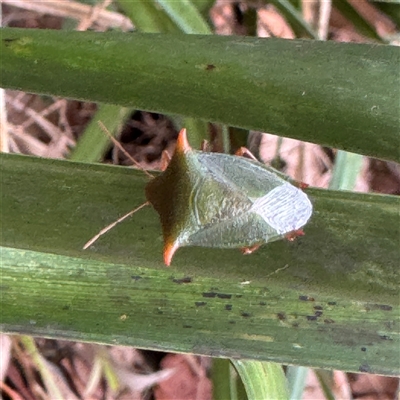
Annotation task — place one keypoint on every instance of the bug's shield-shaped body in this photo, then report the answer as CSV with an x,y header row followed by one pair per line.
x,y
219,200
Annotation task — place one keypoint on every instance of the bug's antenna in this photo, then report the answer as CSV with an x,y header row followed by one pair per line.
x,y
118,144
108,227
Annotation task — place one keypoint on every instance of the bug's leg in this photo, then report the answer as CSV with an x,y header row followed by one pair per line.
x,y
245,152
249,250
205,146
301,185
294,234
165,159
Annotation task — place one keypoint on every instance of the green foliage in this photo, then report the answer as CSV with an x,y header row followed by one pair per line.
x,y
328,300
95,142
343,95
262,380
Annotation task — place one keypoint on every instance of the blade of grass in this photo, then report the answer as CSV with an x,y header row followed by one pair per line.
x,y
220,374
110,375
262,380
238,138
226,144
335,305
43,367
237,386
343,95
250,17
297,4
147,17
296,377
93,143
186,16
300,27
95,377
325,379
362,25
391,9
345,171
197,131
388,1
203,6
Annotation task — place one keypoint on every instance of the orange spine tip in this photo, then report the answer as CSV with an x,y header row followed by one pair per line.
x,y
169,251
182,143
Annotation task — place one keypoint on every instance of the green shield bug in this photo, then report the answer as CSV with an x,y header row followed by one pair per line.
x,y
225,201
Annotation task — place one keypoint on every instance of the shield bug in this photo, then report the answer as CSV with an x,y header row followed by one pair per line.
x,y
225,201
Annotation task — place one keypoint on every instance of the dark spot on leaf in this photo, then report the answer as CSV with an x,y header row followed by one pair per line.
x,y
224,296
329,321
136,277
160,312
311,318
363,349
238,296
263,303
186,279
7,41
209,294
318,313
187,326
332,303
200,303
306,298
383,307
245,314
364,368
385,337
228,307
232,322
318,308
281,316
210,67
66,307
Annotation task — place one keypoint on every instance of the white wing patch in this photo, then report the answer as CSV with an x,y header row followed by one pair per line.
x,y
285,208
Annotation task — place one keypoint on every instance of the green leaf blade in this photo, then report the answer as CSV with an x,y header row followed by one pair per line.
x,y
267,306
262,380
341,95
300,27
186,16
